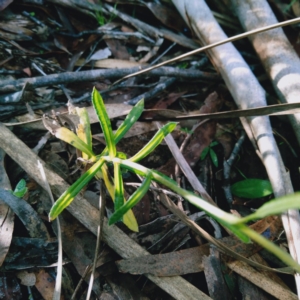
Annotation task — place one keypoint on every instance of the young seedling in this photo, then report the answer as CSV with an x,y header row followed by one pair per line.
x,y
208,150
120,161
20,189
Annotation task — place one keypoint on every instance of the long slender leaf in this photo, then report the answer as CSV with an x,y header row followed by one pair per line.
x,y
128,219
119,188
274,207
104,122
271,247
154,142
132,201
68,196
71,138
130,119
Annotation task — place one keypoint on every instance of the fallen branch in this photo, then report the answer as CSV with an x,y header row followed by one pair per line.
x,y
7,86
277,55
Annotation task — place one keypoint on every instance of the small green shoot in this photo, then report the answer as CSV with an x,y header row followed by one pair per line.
x,y
101,19
211,152
20,189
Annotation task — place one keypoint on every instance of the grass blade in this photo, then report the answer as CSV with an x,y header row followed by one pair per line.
x,y
71,138
119,188
130,119
274,207
104,122
154,142
68,196
132,201
128,219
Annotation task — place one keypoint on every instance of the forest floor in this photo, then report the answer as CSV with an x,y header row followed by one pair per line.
x,y
52,55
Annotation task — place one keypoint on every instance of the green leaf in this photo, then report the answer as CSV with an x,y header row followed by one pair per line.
x,y
71,138
119,188
132,201
130,119
104,122
128,219
213,157
214,143
68,196
274,207
20,189
252,188
204,153
154,142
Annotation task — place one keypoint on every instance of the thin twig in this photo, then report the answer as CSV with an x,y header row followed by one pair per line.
x,y
202,49
7,86
227,168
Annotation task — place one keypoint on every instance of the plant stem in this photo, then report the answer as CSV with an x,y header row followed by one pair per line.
x,y
224,218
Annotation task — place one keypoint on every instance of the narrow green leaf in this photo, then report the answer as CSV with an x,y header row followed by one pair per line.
x,y
119,188
71,138
252,188
104,122
132,201
68,196
128,219
130,119
274,207
213,157
271,247
204,153
154,142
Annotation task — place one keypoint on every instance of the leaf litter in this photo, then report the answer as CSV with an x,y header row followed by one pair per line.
x,y
115,39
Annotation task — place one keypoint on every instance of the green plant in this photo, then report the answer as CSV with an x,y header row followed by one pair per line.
x,y
186,130
101,19
20,189
110,156
211,152
252,188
